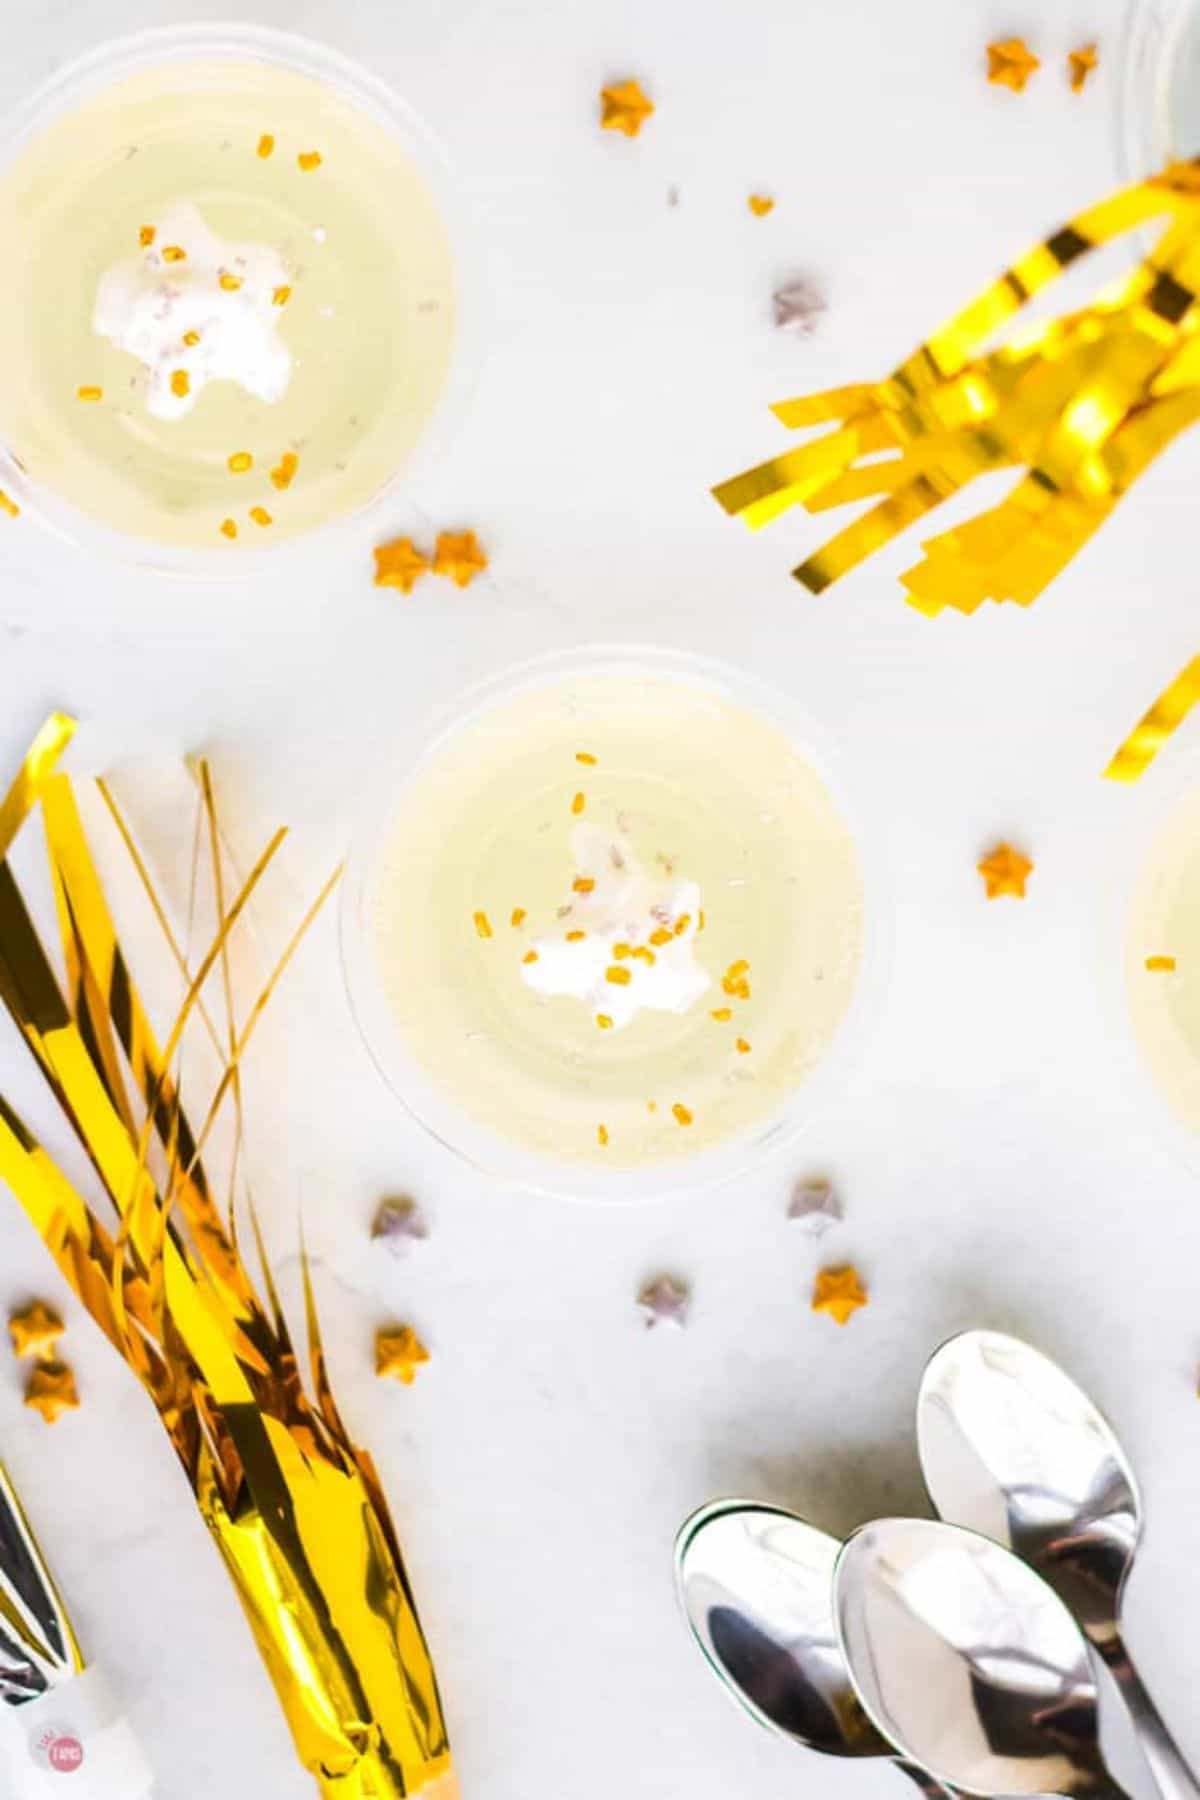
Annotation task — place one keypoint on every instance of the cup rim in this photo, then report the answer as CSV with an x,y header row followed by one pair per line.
x,y
120,58
506,1163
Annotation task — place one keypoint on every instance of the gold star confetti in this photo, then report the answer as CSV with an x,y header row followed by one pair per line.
x,y
281,295
399,1353
191,338
35,1330
683,1114
1010,64
1005,872
229,281
309,160
181,383
839,1293
239,462
1161,965
459,555
624,107
146,236
266,145
229,528
760,205
399,564
283,474
51,1390
261,516
1080,64
174,253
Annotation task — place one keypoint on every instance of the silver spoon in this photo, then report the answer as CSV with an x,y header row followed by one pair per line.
x,y
756,1585
1011,1447
968,1662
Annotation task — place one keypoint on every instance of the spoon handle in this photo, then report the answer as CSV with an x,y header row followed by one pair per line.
x,y
930,1786
1172,1776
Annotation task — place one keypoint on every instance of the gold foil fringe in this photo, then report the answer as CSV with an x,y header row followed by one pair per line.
x,y
295,1508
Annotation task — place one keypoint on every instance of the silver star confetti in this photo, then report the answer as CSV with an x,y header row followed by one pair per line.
x,y
815,1206
797,306
398,1225
665,1301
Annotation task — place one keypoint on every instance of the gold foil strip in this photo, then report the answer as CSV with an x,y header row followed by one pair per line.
x,y
1078,407
1134,756
38,1647
294,1507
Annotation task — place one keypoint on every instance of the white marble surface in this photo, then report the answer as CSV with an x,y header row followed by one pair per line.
x,y
997,1165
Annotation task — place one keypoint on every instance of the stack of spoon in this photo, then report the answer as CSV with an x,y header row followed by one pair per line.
x,y
965,1649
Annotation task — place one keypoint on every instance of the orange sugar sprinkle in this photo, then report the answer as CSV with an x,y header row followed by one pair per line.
x,y
229,528
585,756
518,916
146,236
181,383
617,976
483,925
530,956
660,937
281,295
578,804
722,1014
191,338
284,472
682,923
622,952
604,1022
309,160
682,1115
90,394
742,1047
583,884
1160,965
602,1135
261,516
229,281
576,937
741,967
174,253
646,956
266,144
239,462
9,506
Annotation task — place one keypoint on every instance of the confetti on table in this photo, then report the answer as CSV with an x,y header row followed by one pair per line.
x,y
1161,965
815,1205
1005,872
146,236
266,145
797,306
578,804
51,1390
181,383
665,1301
90,395
460,556
35,1330
309,160
174,253
683,1115
602,1137
760,205
239,462
483,925
284,472
229,528
399,564
261,516
398,1225
8,505
839,1293
1010,64
281,295
399,1353
624,107
1080,64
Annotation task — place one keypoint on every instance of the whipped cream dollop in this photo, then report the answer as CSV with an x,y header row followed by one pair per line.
x,y
211,315
620,917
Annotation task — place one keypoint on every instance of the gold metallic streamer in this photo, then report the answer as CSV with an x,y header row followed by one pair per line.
x,y
1151,732
294,1507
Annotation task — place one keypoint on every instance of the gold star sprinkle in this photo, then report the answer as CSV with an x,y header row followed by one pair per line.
x,y
281,295
460,555
191,338
239,462
760,205
35,1330
51,1390
578,804
261,516
483,925
839,1293
1080,64
229,281
624,107
229,528
174,253
284,472
399,1354
309,160
266,145
399,564
602,1136
146,236
1010,64
517,917
683,1114
181,383
1005,872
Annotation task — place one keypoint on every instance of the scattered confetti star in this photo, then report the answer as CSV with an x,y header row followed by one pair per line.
x,y
815,1205
797,306
1010,64
399,564
51,1390
1161,965
1005,872
398,1225
624,107
460,555
760,205
665,1301
1080,64
839,1293
399,1354
35,1330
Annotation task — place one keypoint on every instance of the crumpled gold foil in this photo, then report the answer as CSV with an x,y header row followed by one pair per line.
x,y
294,1507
